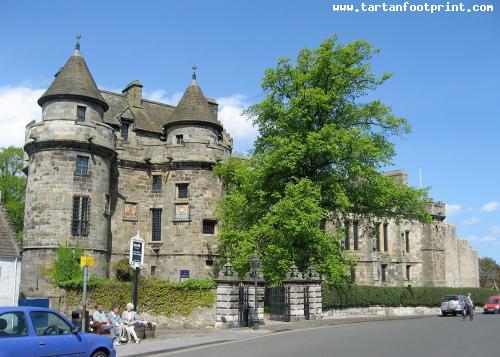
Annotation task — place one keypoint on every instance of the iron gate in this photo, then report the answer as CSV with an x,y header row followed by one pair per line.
x,y
279,303
307,312
243,308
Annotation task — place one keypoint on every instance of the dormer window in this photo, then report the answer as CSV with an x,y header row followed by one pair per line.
x,y
80,113
179,139
124,131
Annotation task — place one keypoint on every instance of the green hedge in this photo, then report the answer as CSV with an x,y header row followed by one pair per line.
x,y
341,296
157,297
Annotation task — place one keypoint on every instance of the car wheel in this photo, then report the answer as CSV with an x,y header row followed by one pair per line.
x,y
443,313
497,311
99,354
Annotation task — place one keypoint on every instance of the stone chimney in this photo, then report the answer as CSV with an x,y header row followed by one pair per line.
x,y
133,91
399,176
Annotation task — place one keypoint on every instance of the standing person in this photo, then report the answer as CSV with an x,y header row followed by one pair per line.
x,y
470,306
101,319
115,319
129,318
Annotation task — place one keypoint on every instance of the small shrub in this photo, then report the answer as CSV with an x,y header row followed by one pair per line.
x,y
66,269
123,270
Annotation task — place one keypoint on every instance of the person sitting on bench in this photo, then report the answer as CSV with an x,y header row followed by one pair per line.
x,y
103,323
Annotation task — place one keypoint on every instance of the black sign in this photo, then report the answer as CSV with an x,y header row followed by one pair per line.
x,y
136,252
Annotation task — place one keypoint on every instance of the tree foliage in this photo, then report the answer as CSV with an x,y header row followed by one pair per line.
x,y
489,271
13,186
318,154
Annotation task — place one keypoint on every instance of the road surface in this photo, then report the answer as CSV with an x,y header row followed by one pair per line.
x,y
427,337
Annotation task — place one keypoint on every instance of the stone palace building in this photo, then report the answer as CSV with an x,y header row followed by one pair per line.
x,y
103,167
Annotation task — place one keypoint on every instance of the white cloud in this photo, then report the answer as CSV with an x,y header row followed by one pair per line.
x,y
495,230
453,209
471,238
18,107
490,206
159,95
487,239
235,122
470,221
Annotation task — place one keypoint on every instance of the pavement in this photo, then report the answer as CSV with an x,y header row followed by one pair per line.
x,y
168,341
424,337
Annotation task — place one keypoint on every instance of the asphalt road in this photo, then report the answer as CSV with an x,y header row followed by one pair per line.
x,y
428,337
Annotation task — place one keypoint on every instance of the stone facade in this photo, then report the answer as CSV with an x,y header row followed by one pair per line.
x,y
148,171
409,252
103,167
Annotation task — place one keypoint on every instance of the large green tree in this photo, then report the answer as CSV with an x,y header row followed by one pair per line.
x,y
317,158
13,186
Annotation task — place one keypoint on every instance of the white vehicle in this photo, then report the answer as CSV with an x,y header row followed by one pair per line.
x,y
453,304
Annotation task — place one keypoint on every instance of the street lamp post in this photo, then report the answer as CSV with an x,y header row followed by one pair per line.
x,y
255,264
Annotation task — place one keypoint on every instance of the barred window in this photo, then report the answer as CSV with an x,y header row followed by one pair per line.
x,y
82,165
386,238
408,267
124,131
80,216
407,241
355,231
75,221
179,139
156,225
347,243
208,226
80,113
182,190
84,230
156,183
377,237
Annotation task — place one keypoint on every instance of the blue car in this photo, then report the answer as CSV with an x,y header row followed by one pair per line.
x,y
39,332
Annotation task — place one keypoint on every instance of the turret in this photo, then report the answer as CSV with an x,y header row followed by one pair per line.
x,y
193,131
70,157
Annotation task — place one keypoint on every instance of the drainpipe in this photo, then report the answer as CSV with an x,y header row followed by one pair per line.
x,y
15,282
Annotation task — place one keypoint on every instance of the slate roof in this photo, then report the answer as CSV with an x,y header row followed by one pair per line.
x,y
74,79
151,117
8,246
194,107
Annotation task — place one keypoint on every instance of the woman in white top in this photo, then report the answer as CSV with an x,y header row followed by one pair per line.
x,y
129,318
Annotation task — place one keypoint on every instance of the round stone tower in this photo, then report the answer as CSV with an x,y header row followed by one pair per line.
x,y
70,153
195,142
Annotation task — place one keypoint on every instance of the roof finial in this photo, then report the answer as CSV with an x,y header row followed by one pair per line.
x,y
194,72
77,45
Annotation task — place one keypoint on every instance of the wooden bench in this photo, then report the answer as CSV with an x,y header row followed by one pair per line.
x,y
97,328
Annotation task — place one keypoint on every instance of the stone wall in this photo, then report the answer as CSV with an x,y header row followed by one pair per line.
x,y
380,311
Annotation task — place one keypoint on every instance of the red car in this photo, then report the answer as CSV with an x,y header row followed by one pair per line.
x,y
492,305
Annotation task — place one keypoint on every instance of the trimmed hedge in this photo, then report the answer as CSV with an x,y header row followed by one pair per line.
x,y
342,296
157,297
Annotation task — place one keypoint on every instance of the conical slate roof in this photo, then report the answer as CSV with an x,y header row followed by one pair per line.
x,y
74,80
193,107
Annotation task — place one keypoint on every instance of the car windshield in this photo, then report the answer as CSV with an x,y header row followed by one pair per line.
x,y
493,301
448,298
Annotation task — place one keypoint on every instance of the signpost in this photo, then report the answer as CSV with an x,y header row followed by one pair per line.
x,y
136,260
85,262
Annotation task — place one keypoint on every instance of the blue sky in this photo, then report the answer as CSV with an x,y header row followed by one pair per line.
x,y
446,79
